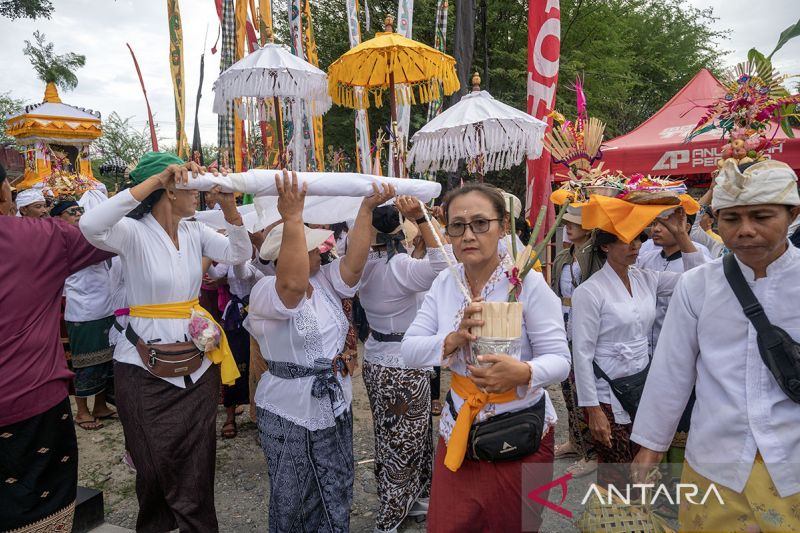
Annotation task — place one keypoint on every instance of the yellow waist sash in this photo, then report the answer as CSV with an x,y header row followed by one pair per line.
x,y
221,355
474,400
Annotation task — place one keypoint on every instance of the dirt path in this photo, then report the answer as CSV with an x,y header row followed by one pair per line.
x,y
241,475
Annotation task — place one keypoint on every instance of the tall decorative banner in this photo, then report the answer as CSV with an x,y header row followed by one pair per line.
x,y
313,58
239,136
544,50
176,69
153,136
363,163
225,122
302,142
265,21
269,129
439,42
405,17
197,145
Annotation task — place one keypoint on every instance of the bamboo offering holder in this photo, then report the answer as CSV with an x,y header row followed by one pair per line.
x,y
500,333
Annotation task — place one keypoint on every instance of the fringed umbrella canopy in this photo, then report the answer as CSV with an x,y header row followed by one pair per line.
x,y
477,127
385,60
269,72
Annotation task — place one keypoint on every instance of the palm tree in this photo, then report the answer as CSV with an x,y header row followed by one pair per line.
x,y
53,68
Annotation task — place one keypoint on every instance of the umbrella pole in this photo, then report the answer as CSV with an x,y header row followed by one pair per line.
x,y
393,106
279,128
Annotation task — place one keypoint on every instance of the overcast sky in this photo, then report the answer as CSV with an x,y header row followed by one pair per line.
x,y
99,29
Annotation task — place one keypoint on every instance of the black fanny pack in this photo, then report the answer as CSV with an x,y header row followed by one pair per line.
x,y
779,351
507,436
628,389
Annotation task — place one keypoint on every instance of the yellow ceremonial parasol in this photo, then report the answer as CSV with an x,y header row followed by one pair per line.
x,y
364,72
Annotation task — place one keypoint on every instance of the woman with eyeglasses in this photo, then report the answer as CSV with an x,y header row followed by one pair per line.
x,y
612,316
475,494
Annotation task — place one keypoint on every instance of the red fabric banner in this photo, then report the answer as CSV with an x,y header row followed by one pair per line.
x,y
544,50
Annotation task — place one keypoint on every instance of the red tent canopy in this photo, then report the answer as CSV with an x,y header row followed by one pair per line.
x,y
657,146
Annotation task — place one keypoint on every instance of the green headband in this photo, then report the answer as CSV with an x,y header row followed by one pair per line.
x,y
153,163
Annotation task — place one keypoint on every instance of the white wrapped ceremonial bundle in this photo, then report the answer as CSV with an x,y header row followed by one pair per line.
x,y
261,182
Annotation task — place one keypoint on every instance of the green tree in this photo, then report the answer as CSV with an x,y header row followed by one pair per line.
x,y
26,9
121,140
51,67
8,106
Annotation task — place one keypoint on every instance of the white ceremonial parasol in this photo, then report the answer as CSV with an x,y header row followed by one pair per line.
x,y
480,129
272,73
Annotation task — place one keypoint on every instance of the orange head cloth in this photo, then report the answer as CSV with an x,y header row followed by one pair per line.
x,y
625,219
474,400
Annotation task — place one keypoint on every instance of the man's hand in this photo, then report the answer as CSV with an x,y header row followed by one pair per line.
x,y
598,425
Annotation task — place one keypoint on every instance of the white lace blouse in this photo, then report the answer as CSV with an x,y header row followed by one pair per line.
x,y
544,345
316,328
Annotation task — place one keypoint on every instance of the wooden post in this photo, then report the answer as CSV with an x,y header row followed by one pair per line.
x,y
279,127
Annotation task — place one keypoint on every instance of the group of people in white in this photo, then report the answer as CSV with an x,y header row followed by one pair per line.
x,y
667,319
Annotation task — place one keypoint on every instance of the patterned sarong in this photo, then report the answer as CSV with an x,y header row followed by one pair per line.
x,y
39,472
91,355
401,404
310,474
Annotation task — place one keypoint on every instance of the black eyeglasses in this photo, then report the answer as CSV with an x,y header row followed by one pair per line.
x,y
479,225
73,211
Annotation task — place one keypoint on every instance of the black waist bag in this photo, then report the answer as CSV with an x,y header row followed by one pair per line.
x,y
779,351
628,389
507,436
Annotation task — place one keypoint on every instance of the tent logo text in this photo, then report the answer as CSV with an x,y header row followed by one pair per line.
x,y
670,160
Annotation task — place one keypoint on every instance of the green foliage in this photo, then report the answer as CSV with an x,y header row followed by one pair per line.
x,y
8,105
51,67
786,35
121,140
26,9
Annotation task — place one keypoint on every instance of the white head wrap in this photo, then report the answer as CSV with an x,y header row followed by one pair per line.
x,y
513,203
28,197
271,248
766,182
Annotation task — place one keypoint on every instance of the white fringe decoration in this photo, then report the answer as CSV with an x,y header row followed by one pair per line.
x,y
503,142
268,72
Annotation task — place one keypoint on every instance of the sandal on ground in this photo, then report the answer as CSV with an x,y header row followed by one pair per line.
x,y
109,416
436,407
89,425
564,450
228,430
239,410
582,467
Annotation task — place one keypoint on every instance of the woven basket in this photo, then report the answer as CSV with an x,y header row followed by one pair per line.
x,y
618,517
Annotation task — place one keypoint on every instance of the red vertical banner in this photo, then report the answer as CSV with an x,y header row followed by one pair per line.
x,y
544,50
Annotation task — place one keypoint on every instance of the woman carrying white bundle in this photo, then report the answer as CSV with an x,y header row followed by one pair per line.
x,y
303,400
484,494
166,382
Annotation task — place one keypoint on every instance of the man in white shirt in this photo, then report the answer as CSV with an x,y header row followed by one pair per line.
x,y
745,437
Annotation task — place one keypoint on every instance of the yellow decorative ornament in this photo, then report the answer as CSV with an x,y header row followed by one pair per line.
x,y
387,59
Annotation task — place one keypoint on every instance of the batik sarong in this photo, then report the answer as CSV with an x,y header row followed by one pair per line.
x,y
401,414
170,433
579,435
310,474
39,472
91,355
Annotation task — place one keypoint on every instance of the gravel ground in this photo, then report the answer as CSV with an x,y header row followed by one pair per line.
x,y
241,475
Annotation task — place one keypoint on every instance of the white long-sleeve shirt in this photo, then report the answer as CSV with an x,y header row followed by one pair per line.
x,y
155,270
388,294
316,328
659,261
88,292
708,343
544,345
611,327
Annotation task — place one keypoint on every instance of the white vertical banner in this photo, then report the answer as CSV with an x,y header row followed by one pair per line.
x,y
361,125
405,16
